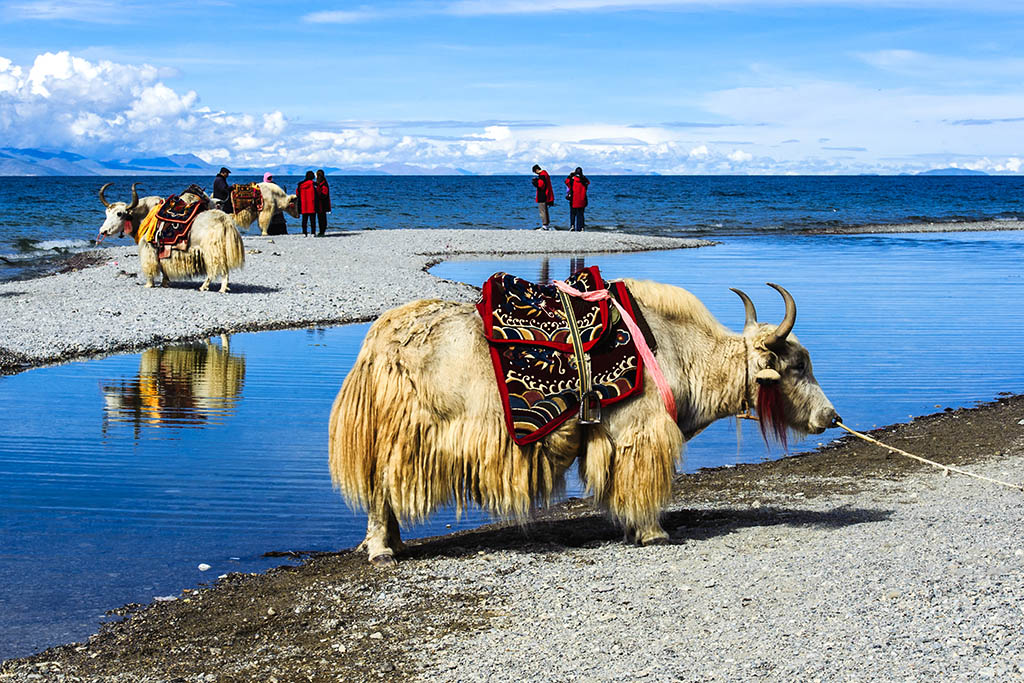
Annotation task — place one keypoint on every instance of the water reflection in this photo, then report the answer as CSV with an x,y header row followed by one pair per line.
x,y
576,264
186,385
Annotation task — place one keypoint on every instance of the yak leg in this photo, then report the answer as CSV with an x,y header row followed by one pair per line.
x,y
224,283
206,284
648,446
383,535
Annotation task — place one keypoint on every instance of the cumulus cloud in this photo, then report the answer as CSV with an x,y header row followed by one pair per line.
x,y
109,110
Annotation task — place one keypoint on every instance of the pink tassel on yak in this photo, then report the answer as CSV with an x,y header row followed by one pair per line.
x,y
771,414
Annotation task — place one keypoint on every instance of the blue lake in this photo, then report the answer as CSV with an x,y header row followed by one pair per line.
x,y
119,476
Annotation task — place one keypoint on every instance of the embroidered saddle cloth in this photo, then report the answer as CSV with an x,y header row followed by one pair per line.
x,y
174,220
246,196
532,352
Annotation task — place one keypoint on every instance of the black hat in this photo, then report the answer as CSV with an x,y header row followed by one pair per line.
x,y
225,171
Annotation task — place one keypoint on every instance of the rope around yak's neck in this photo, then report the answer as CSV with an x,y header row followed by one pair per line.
x,y
947,468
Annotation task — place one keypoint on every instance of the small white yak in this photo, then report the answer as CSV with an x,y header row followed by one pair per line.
x,y
214,244
274,199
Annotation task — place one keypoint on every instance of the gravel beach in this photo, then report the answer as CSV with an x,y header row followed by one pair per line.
x,y
847,563
287,281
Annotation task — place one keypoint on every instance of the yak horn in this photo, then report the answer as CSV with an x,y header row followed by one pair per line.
x,y
786,326
102,198
748,306
135,198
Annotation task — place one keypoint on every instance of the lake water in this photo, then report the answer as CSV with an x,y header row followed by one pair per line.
x,y
42,219
119,476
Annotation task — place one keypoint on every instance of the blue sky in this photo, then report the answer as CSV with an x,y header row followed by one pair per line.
x,y
668,86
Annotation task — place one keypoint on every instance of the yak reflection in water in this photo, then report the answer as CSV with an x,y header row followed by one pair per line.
x,y
188,385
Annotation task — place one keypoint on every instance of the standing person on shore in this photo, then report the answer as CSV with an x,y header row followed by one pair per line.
x,y
545,195
323,200
306,194
577,184
221,189
278,224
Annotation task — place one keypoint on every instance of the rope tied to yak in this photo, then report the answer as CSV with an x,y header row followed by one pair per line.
x,y
638,337
947,468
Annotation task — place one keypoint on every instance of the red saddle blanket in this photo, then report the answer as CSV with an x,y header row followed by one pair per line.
x,y
531,349
245,196
174,222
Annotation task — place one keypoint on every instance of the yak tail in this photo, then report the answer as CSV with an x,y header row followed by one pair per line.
x,y
234,249
222,248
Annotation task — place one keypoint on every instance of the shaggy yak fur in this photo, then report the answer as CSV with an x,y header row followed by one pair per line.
x,y
214,245
274,199
418,422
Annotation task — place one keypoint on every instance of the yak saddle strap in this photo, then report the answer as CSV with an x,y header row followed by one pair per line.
x,y
590,400
641,345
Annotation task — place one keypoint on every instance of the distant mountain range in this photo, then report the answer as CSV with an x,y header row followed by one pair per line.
x,y
41,162
952,171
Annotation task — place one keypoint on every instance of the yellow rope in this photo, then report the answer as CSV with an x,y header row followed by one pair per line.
x,y
947,468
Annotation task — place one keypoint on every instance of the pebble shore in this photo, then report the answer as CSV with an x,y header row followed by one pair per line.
x,y
288,281
916,580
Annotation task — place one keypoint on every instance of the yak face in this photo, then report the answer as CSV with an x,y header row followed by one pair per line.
x,y
788,395
798,398
292,207
118,219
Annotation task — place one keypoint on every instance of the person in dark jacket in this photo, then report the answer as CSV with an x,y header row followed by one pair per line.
x,y
221,189
545,195
577,184
278,224
323,200
306,197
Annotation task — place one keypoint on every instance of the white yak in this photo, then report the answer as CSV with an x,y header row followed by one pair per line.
x,y
274,199
419,424
214,244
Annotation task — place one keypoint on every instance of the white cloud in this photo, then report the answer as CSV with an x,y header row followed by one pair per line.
x,y
89,11
343,16
106,109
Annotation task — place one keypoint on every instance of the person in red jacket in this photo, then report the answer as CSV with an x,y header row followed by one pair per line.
x,y
306,193
577,184
323,200
545,195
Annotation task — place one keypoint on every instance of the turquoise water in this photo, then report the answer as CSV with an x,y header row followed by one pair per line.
x,y
119,476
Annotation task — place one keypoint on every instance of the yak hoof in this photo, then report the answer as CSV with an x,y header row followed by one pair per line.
x,y
658,540
165,283
384,560
224,289
149,284
203,287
